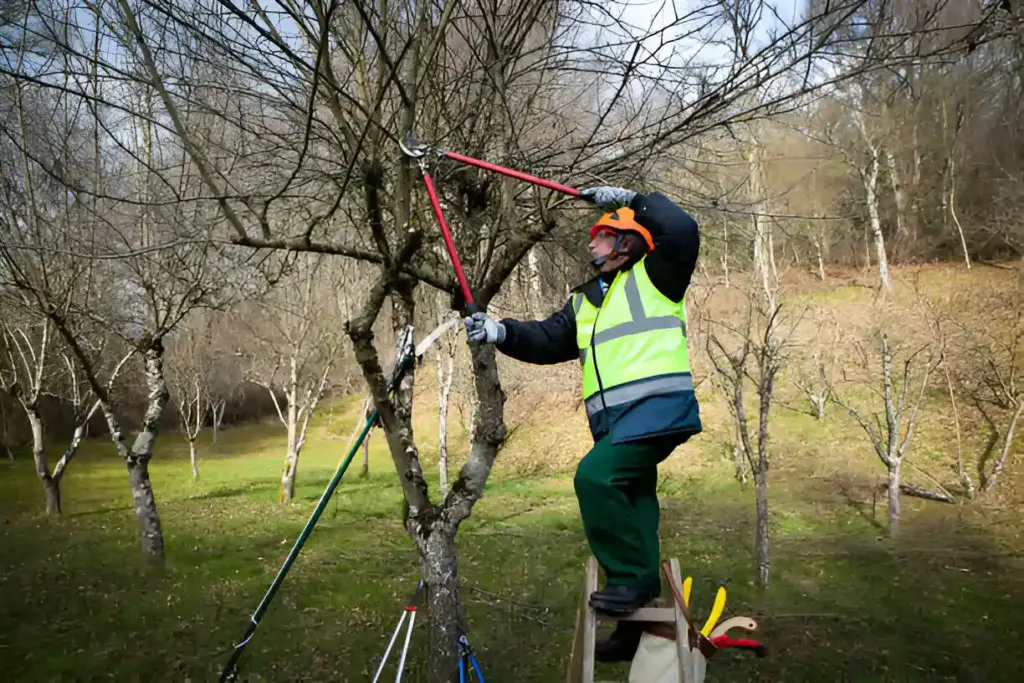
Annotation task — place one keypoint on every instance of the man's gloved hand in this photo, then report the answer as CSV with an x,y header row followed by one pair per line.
x,y
608,197
483,329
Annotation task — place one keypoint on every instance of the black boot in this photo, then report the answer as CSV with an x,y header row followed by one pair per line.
x,y
621,645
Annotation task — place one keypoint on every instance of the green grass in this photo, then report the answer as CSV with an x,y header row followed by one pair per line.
x,y
943,603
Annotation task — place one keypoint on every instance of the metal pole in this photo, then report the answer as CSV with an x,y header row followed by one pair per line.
x,y
230,670
394,637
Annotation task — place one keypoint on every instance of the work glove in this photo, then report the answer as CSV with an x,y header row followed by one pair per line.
x,y
608,198
483,329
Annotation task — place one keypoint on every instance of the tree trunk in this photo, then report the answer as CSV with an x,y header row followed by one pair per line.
x,y
893,486
1007,447
291,458
819,247
725,250
438,553
738,456
440,567
291,466
5,433
818,401
366,457
192,458
51,488
360,423
899,193
761,549
952,213
870,178
764,257
150,532
765,390
218,415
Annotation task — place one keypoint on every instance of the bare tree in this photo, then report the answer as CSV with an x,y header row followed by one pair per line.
x,y
941,317
816,376
868,171
189,373
987,372
752,352
298,338
224,373
33,370
28,365
899,406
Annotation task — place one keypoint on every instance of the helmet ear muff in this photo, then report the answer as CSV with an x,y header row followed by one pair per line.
x,y
617,247
616,250
637,245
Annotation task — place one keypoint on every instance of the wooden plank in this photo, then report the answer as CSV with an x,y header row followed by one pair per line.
x,y
682,628
700,666
665,615
589,621
575,669
574,673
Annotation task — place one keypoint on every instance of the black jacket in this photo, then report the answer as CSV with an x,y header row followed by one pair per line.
x,y
670,267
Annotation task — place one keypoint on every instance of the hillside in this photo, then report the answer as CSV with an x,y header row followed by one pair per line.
x,y
942,602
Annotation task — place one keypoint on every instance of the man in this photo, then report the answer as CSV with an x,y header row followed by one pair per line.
x,y
627,327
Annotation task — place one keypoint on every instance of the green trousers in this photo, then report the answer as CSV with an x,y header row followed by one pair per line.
x,y
616,486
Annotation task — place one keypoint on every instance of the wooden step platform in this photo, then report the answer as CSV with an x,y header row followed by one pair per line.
x,y
581,661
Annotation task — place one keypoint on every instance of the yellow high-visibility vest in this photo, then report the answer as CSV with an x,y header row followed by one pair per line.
x,y
636,364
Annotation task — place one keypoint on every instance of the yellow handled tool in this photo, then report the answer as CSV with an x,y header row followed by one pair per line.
x,y
687,585
716,611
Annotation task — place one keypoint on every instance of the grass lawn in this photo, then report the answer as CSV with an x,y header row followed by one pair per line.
x,y
943,603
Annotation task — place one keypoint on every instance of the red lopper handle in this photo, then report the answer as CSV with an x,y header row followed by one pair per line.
x,y
448,241
519,175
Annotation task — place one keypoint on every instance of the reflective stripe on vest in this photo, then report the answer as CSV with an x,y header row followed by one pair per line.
x,y
640,342
630,393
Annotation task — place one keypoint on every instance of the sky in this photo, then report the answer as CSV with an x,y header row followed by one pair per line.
x,y
655,15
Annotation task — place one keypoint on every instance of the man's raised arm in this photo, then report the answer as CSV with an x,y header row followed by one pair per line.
x,y
676,242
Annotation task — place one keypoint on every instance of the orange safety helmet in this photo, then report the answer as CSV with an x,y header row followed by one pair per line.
x,y
622,220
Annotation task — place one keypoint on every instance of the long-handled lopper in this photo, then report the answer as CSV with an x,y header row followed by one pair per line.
x,y
407,359
418,152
